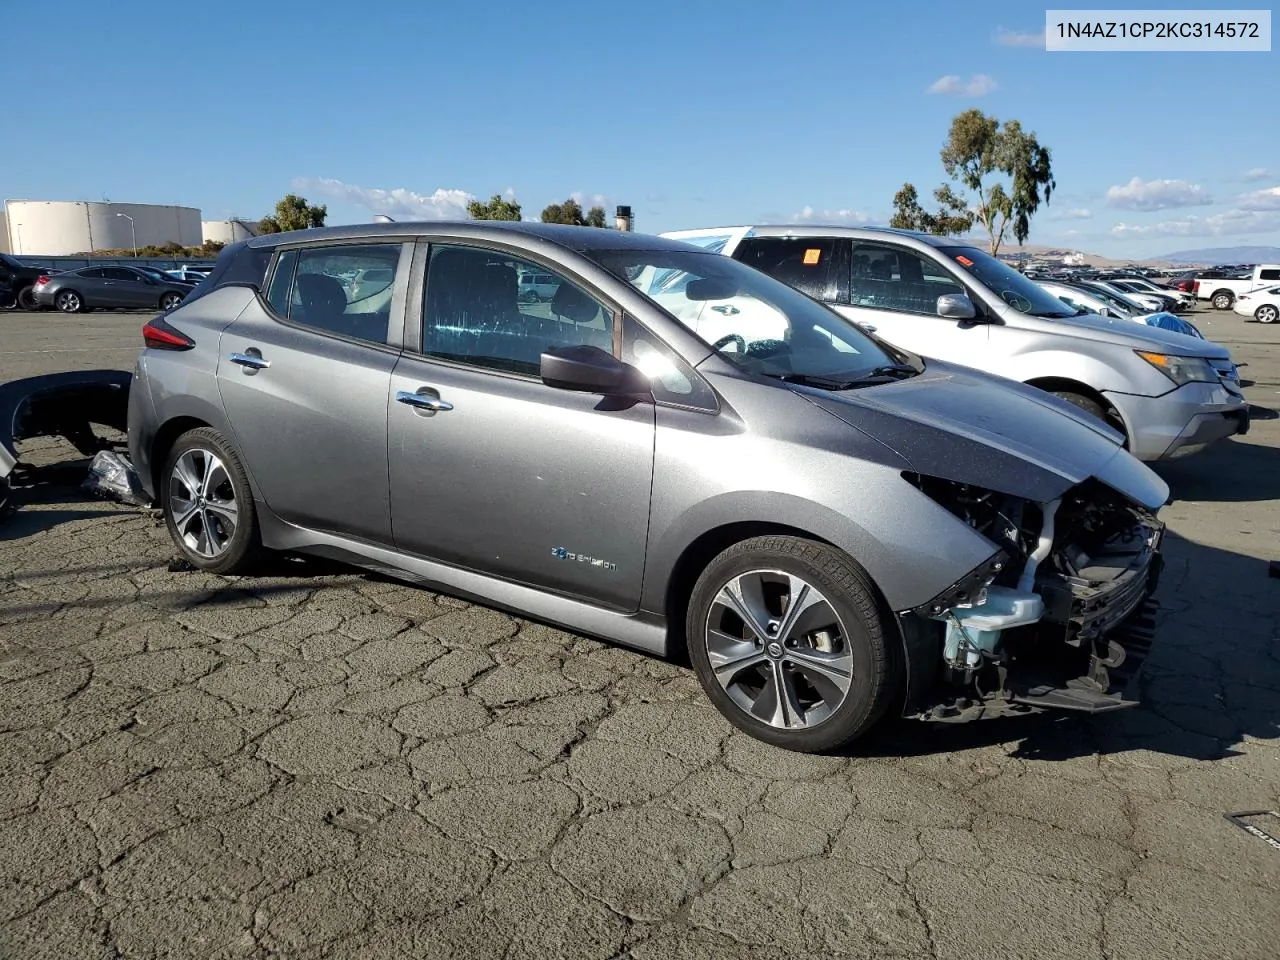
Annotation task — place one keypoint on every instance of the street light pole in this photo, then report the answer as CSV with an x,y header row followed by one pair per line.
x,y
133,229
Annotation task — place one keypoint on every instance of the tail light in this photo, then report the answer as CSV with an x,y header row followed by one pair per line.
x,y
161,335
1195,286
43,278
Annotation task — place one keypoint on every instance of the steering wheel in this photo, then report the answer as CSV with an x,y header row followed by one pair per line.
x,y
733,338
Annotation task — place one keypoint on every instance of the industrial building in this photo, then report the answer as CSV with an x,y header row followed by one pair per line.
x,y
54,228
228,231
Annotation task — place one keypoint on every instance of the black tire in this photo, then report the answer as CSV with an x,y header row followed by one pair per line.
x,y
170,300
1223,299
68,301
872,650
243,549
1266,314
26,299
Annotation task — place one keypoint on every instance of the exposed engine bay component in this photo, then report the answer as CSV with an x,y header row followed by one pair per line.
x,y
1065,621
59,404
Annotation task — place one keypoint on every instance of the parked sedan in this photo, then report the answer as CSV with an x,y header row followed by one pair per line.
x,y
829,526
116,287
1262,305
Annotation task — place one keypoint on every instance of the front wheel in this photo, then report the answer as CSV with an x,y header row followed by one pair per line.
x,y
790,644
1222,301
26,299
1266,314
208,504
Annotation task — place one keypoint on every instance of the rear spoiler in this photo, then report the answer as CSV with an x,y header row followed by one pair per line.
x,y
59,405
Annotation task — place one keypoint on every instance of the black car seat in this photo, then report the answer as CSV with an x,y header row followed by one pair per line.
x,y
323,301
583,315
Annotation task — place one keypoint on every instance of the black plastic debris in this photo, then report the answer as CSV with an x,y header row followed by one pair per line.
x,y
1240,820
112,477
180,565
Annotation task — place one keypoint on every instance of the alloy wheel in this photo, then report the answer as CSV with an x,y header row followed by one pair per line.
x,y
169,301
778,648
202,503
1267,314
68,301
1222,302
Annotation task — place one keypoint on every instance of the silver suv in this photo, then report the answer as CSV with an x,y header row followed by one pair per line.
x,y
828,526
940,297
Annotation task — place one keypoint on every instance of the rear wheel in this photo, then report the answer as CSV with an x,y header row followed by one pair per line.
x,y
789,642
208,504
68,301
1266,314
170,300
1222,300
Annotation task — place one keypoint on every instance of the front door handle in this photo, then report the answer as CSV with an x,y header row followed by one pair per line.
x,y
250,361
423,401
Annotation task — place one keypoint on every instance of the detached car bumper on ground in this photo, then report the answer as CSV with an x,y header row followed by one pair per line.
x,y
831,528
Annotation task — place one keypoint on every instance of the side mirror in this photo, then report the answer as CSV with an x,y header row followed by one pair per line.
x,y
590,370
956,306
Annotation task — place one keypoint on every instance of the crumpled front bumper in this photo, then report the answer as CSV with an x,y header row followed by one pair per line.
x,y
59,404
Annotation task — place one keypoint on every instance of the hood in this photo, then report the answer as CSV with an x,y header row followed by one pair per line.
x,y
1138,336
962,425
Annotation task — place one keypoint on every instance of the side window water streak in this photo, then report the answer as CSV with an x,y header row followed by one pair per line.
x,y
489,309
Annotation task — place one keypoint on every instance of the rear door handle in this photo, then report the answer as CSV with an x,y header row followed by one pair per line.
x,y
423,401
250,361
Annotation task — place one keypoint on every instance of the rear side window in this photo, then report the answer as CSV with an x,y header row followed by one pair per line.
x,y
344,289
806,263
1269,275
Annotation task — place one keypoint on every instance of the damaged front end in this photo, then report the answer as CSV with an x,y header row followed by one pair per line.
x,y
58,405
1060,617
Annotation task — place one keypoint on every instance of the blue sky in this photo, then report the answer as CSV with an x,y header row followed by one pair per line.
x,y
695,113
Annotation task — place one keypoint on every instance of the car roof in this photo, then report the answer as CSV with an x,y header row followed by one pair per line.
x,y
580,239
822,230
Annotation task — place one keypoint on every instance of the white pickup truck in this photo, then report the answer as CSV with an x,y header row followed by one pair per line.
x,y
1222,292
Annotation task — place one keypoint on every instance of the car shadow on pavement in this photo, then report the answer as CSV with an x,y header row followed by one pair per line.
x,y
1232,471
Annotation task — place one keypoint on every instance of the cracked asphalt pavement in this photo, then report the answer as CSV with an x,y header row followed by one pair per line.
x,y
319,762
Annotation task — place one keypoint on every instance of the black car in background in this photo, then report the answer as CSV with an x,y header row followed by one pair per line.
x,y
110,287
16,283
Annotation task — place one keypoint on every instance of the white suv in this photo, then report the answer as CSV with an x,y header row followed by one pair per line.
x,y
940,297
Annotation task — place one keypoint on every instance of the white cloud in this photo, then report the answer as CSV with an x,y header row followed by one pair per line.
x,y
1139,194
957,86
1072,213
587,202
1266,199
1259,173
1230,223
443,204
1020,38
848,218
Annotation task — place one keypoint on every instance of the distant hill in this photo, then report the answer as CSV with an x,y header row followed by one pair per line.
x,y
1215,255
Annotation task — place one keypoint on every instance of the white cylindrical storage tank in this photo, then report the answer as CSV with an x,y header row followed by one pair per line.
x,y
228,231
63,228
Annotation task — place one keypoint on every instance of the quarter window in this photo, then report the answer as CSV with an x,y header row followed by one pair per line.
x,y
344,290
477,311
805,263
891,278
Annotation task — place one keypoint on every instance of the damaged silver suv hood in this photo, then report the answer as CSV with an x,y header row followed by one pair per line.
x,y
994,433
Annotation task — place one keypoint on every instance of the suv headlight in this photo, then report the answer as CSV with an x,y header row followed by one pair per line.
x,y
1181,369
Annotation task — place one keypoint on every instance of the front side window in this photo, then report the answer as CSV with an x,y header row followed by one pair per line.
x,y
757,323
806,263
344,290
894,278
478,312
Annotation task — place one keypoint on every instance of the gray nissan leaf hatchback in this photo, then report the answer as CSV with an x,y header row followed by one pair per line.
x,y
830,528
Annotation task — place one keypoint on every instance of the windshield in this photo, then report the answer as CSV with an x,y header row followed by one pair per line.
x,y
1108,291
757,323
1024,295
